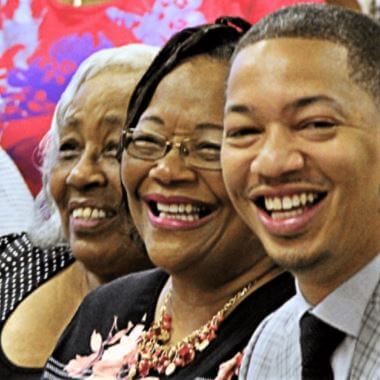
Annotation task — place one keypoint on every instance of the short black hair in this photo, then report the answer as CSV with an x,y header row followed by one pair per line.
x,y
217,40
358,33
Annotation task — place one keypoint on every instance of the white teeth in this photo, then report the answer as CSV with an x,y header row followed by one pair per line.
x,y
296,201
268,203
77,213
179,211
286,203
277,204
289,202
88,213
286,214
188,218
175,208
162,207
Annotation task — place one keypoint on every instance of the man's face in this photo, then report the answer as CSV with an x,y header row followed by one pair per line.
x,y
301,155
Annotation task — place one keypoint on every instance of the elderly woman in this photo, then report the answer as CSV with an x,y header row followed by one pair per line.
x,y
40,290
214,283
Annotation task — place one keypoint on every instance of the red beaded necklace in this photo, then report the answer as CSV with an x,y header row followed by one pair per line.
x,y
156,355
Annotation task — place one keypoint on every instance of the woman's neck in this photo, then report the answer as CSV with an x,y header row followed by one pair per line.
x,y
93,281
193,303
219,284
90,280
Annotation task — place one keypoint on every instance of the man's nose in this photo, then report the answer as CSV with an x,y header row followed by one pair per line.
x,y
278,155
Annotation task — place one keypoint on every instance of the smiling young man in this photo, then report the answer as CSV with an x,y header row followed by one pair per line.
x,y
302,126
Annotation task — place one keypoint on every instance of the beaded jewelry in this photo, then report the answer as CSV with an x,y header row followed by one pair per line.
x,y
156,354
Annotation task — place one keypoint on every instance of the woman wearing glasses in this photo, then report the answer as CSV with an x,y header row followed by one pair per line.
x,y
214,283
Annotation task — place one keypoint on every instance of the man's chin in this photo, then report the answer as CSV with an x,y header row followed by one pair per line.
x,y
297,261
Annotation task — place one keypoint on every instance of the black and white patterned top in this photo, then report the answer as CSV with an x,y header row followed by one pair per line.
x,y
24,268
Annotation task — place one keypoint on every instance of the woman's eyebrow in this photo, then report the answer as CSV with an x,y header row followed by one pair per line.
x,y
70,123
153,118
113,119
209,126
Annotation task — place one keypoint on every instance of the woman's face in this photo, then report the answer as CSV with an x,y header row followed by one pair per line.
x,y
183,213
85,179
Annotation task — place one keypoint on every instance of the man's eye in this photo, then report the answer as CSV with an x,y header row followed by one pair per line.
x,y
243,136
242,132
318,124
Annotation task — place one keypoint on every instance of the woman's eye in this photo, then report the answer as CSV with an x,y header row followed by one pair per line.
x,y
68,149
207,146
147,141
111,149
208,150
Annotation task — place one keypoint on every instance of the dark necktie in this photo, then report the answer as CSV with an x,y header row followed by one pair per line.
x,y
318,342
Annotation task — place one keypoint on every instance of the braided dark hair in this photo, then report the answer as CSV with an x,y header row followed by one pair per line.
x,y
216,40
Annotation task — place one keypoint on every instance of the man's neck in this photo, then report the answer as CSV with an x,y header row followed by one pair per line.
x,y
318,283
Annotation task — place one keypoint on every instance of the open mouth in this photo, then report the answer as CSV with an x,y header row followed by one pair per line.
x,y
289,206
90,213
188,212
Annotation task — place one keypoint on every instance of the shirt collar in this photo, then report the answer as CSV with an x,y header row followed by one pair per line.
x,y
300,303
345,306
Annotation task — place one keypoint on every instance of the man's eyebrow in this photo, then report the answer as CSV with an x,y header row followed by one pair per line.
x,y
153,118
310,100
238,108
294,105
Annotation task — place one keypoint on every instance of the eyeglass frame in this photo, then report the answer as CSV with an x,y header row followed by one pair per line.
x,y
183,149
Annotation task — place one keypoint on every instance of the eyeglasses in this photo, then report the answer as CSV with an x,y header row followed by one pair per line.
x,y
201,151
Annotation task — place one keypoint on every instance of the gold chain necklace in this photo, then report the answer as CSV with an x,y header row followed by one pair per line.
x,y
156,355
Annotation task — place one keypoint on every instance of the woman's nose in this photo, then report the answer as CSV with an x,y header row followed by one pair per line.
x,y
172,168
87,173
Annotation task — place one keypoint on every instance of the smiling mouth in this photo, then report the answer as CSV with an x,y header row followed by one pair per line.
x,y
90,213
187,212
289,206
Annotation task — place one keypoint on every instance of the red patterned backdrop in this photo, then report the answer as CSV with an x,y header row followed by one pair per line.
x,y
42,42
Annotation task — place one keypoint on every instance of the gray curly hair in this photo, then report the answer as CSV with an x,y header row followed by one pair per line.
x,y
45,229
